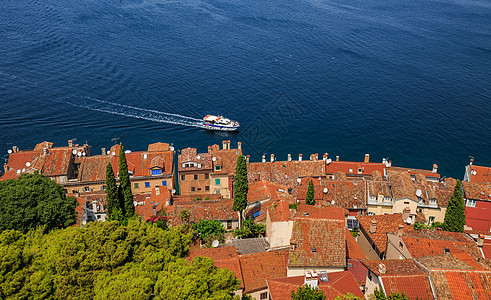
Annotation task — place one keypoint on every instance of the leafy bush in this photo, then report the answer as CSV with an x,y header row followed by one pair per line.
x,y
209,230
250,230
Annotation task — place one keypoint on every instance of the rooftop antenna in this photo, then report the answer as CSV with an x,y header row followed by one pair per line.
x,y
116,139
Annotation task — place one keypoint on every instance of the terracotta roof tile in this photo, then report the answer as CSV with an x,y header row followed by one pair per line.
x,y
351,168
427,173
226,159
453,284
353,251
189,155
480,174
262,266
339,284
385,224
205,210
341,193
358,270
413,286
280,212
265,190
477,190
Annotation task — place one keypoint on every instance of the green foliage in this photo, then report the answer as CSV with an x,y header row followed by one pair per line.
x,y
105,261
111,191
241,186
185,216
293,206
309,199
380,295
32,200
308,293
250,230
354,232
435,225
455,213
126,195
246,297
209,230
419,226
348,296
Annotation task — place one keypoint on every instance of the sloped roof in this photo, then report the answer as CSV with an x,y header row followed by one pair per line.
x,y
394,267
280,212
462,285
342,193
205,210
266,190
358,270
411,171
319,241
353,250
226,159
477,190
191,155
385,224
345,167
480,174
339,284
262,266
252,245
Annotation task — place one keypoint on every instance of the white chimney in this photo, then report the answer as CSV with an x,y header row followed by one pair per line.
x,y
263,158
300,157
435,168
311,279
247,158
289,157
272,157
324,158
337,157
239,145
367,158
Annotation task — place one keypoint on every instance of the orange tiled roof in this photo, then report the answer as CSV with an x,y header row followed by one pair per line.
x,y
462,285
358,270
356,168
454,261
427,173
339,284
480,174
353,251
394,267
319,241
413,286
226,159
477,190
191,155
385,224
342,193
265,190
280,212
262,266
205,210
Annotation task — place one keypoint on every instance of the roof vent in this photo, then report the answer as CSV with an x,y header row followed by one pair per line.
x,y
314,250
446,251
323,276
382,269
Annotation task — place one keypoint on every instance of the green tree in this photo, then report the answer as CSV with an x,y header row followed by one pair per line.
x,y
112,199
348,296
32,200
241,187
209,230
125,185
380,295
308,293
455,214
309,199
185,216
250,230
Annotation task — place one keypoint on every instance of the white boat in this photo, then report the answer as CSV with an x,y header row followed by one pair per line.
x,y
211,122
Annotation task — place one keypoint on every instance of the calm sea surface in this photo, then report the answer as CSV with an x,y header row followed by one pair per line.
x,y
409,80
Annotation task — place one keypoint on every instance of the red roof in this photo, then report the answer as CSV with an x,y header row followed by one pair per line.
x,y
427,173
147,202
205,210
266,190
413,286
262,266
462,285
358,270
339,284
280,212
385,224
343,193
351,168
352,249
480,174
477,190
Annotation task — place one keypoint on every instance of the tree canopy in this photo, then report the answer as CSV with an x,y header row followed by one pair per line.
x,y
380,295
250,230
32,200
209,230
107,260
126,196
455,214
113,205
309,199
308,293
241,185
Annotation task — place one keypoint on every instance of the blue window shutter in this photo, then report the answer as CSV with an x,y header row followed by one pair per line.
x,y
147,184
164,183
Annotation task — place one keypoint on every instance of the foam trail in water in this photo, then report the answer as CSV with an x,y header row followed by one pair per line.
x,y
136,112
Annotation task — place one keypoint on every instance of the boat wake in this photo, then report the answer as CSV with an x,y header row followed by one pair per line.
x,y
136,112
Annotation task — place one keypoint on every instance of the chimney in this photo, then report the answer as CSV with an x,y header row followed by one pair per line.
x,y
289,157
480,240
45,151
324,157
367,158
15,149
435,168
311,156
337,157
70,143
263,158
272,157
247,158
224,144
209,149
400,230
311,278
382,268
390,163
472,160
300,157
373,226
103,151
384,161
293,244
5,168
239,145
316,156
405,214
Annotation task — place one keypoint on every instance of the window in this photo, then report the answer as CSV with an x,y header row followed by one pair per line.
x,y
217,181
370,213
86,189
229,224
218,168
157,172
431,220
217,192
471,203
353,223
207,188
103,187
406,202
263,295
433,201
207,176
195,177
147,184
183,177
193,189
164,183
136,185
387,199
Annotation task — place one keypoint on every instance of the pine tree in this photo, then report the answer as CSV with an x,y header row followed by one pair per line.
x,y
455,214
309,199
111,191
128,208
241,186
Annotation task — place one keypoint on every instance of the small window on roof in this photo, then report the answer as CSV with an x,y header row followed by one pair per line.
x,y
351,170
314,250
218,168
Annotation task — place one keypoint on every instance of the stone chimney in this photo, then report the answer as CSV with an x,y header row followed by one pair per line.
x,y
209,149
373,226
367,158
247,158
300,157
263,158
289,157
239,145
324,157
337,157
405,214
480,240
70,143
272,157
226,145
400,230
435,168
316,156
103,151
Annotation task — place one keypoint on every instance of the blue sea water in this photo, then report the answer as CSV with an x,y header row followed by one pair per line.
x,y
409,80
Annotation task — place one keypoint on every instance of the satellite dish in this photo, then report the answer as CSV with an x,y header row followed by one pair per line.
x,y
325,190
214,159
198,157
113,153
23,170
328,161
127,151
299,180
74,151
332,202
171,148
79,154
83,153
28,164
9,151
215,243
173,191
408,220
108,152
418,192
135,203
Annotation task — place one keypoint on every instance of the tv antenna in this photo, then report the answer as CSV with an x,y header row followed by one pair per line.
x,y
116,139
